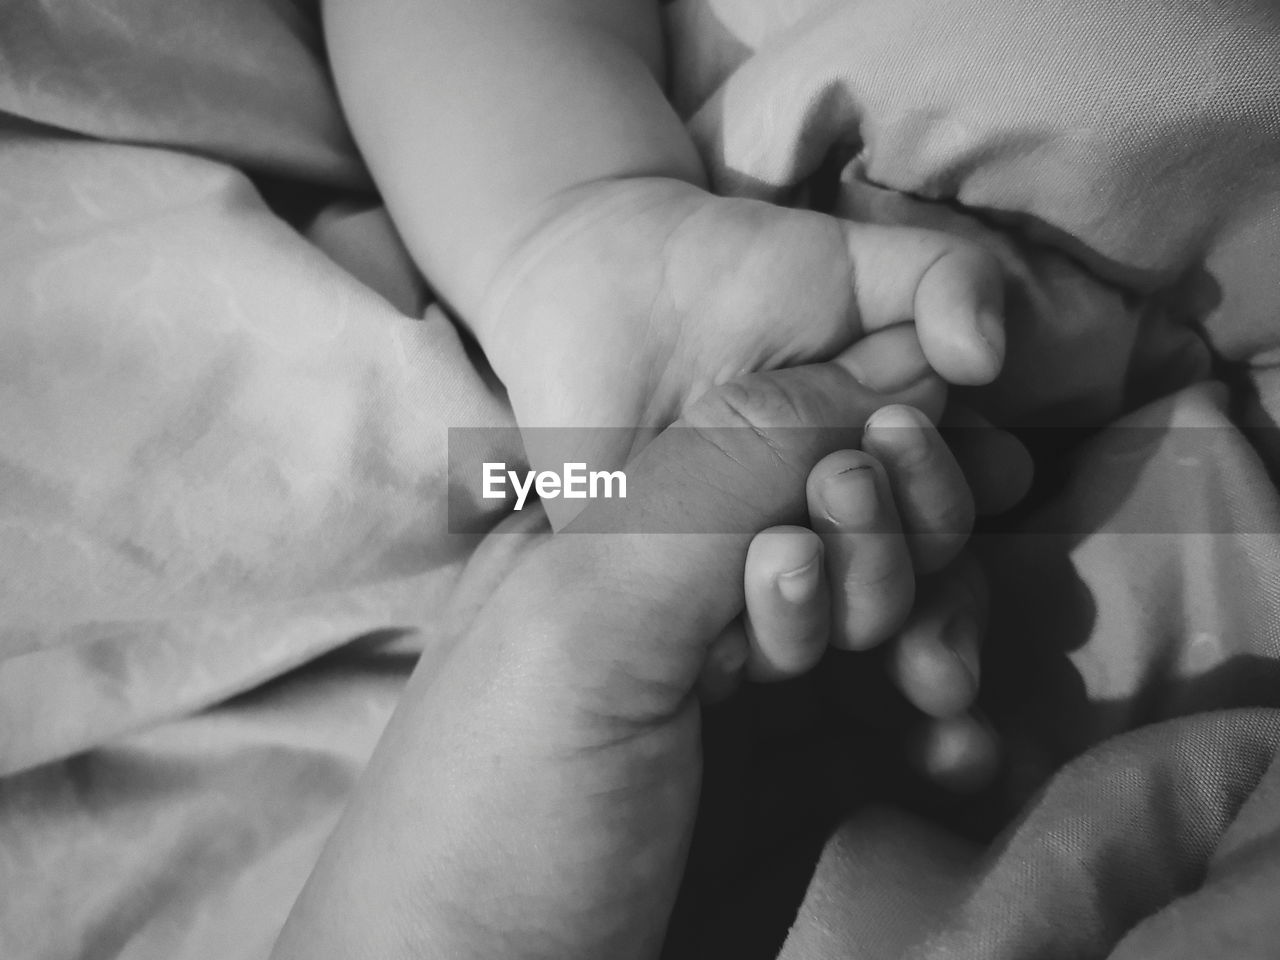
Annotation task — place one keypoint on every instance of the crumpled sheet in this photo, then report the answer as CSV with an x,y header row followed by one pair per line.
x,y
223,530
1124,162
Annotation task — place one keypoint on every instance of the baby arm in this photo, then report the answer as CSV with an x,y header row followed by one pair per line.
x,y
551,196
477,116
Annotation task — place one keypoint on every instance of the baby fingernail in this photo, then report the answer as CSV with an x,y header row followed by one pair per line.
x,y
849,497
800,585
896,426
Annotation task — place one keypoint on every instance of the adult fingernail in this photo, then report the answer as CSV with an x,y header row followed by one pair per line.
x,y
799,586
849,497
961,637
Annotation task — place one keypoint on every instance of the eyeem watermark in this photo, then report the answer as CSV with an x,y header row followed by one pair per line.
x,y
575,482
1121,479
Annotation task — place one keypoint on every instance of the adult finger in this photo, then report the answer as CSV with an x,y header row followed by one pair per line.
x,y
935,660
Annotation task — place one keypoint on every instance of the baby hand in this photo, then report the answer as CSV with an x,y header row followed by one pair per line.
x,y
633,297
879,516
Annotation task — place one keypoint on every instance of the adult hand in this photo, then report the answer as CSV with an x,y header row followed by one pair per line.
x,y
535,795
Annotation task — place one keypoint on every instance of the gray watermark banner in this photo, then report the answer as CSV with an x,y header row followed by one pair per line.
x,y
1140,480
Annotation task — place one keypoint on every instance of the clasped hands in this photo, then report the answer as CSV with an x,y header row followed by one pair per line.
x,y
536,793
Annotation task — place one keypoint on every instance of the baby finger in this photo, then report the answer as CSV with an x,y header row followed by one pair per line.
x,y
788,604
935,659
929,489
868,563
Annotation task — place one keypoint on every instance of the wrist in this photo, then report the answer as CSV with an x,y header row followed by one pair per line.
x,y
480,800
567,249
550,227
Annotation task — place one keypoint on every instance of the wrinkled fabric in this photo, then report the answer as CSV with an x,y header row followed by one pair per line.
x,y
223,520
222,456
244,82
215,440
1142,137
1123,162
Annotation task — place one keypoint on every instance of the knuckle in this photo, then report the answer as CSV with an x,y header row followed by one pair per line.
x,y
755,401
753,420
737,448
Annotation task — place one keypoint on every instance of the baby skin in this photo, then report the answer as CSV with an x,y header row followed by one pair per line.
x,y
553,199
876,518
539,791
